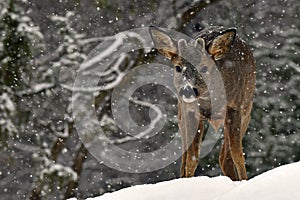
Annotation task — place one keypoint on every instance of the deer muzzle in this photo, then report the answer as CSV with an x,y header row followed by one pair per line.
x,y
188,93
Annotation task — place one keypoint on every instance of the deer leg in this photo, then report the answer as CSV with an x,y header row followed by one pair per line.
x,y
226,162
184,147
246,116
233,130
193,152
183,159
245,119
191,130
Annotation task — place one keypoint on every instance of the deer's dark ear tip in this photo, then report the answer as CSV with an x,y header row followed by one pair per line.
x,y
151,27
233,29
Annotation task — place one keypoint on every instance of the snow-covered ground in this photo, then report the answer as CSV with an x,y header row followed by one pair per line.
x,y
281,183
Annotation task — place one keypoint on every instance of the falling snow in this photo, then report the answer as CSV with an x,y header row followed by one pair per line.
x,y
42,47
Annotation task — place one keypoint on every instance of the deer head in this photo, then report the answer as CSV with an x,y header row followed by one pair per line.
x,y
194,61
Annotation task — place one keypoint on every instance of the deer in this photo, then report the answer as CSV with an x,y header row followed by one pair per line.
x,y
221,50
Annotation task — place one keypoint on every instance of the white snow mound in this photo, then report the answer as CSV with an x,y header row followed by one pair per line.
x,y
281,183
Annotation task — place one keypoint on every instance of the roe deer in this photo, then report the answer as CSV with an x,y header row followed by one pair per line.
x,y
222,50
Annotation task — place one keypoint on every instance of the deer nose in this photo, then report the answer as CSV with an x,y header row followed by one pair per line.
x,y
188,92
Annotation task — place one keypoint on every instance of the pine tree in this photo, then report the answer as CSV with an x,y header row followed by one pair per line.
x,y
68,57
19,39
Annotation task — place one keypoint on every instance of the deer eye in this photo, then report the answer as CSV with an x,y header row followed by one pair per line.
x,y
178,68
204,69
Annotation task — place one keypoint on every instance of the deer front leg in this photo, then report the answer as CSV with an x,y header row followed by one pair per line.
x,y
188,121
233,130
190,158
193,152
183,141
183,159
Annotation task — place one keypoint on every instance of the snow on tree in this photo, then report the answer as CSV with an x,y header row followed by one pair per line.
x,y
64,63
41,155
71,47
20,39
7,111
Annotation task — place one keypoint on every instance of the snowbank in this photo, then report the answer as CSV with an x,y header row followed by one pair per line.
x,y
281,183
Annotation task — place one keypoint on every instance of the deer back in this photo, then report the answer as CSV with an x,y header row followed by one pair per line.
x,y
237,68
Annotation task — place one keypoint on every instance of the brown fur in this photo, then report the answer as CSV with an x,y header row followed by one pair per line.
x,y
235,62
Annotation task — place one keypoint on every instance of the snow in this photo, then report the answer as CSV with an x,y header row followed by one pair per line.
x,y
90,63
6,103
278,184
60,170
36,88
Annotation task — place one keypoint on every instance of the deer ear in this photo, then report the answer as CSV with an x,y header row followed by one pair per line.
x,y
222,44
163,42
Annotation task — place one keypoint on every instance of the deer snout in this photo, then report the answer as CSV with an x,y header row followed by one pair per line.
x,y
188,93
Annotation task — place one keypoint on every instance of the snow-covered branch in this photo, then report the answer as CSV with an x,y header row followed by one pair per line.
x,y
114,73
35,89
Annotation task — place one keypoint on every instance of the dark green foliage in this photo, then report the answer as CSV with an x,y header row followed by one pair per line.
x,y
16,49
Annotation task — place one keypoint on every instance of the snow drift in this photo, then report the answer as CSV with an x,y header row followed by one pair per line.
x,y
281,183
